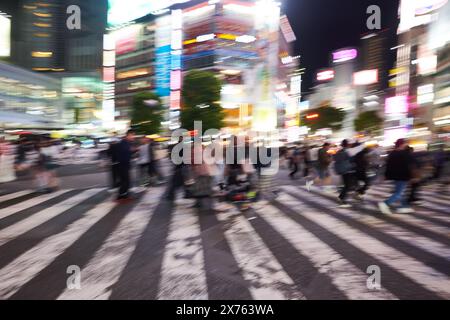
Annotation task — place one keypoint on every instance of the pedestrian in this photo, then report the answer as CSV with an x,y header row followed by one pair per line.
x,y
177,179
20,163
324,160
361,160
398,169
153,169
416,177
143,161
307,161
113,154
345,167
375,163
125,152
296,160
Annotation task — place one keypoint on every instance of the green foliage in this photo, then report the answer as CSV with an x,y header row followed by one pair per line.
x,y
201,94
368,121
329,117
146,119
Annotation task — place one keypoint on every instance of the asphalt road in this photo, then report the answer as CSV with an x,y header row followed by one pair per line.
x,y
296,245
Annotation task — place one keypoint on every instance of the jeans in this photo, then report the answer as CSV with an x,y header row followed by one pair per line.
x,y
295,169
362,176
348,179
399,189
124,174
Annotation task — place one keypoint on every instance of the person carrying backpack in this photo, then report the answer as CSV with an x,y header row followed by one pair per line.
x,y
345,167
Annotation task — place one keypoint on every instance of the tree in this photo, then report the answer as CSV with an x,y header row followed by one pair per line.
x,y
201,96
324,117
146,115
368,121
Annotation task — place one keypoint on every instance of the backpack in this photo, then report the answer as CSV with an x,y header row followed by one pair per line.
x,y
342,163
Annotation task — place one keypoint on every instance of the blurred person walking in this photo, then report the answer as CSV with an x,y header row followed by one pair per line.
x,y
113,154
143,161
296,160
361,160
177,179
346,168
324,160
125,152
416,177
398,169
46,177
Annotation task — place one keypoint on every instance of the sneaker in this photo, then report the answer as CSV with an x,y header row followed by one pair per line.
x,y
405,210
384,208
344,204
309,184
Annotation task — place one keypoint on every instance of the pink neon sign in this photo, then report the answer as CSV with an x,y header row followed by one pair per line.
x,y
344,55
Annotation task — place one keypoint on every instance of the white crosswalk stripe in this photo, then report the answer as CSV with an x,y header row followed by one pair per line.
x,y
385,191
34,260
14,195
267,278
344,275
397,232
410,267
183,261
5,212
183,273
44,215
106,266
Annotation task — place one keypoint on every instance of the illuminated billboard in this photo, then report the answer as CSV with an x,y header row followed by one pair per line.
x,y
344,55
5,36
365,77
325,75
122,11
397,105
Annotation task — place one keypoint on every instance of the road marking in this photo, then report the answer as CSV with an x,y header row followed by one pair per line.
x,y
183,271
14,195
343,274
107,265
267,278
410,267
30,263
5,212
44,215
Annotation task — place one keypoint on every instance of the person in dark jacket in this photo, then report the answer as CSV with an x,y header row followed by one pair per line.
x,y
113,154
345,167
398,169
361,166
125,152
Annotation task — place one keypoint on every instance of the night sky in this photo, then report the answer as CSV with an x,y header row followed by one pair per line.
x,y
321,26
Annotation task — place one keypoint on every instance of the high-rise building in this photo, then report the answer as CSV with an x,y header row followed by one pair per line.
x,y
416,70
43,41
374,53
239,41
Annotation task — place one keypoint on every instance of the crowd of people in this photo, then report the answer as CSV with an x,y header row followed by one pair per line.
x,y
195,179
350,168
359,166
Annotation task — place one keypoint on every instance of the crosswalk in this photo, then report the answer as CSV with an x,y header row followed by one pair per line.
x,y
300,245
